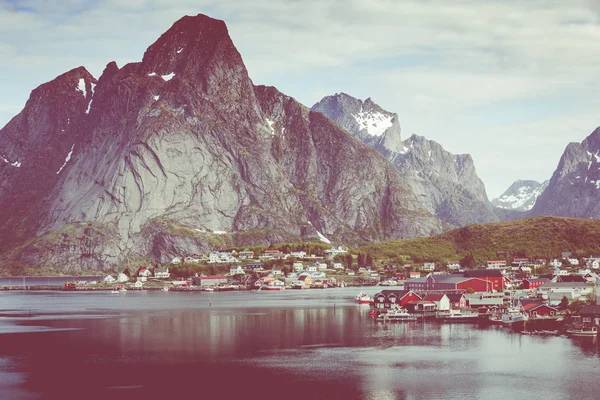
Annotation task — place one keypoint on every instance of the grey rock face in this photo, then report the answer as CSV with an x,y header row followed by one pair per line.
x,y
573,190
161,153
446,185
521,195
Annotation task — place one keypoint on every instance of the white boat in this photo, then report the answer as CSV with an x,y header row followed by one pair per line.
x,y
582,332
363,298
209,289
459,317
165,289
513,315
115,291
396,315
122,290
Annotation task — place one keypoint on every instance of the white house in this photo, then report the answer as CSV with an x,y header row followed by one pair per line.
x,y
428,266
321,266
311,268
561,271
161,272
573,261
298,254
298,267
109,279
334,252
556,263
221,257
496,264
593,263
453,266
192,260
144,274
176,260
122,278
276,271
236,269
441,301
337,265
574,290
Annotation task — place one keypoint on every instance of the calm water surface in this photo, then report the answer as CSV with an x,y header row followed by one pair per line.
x,y
313,344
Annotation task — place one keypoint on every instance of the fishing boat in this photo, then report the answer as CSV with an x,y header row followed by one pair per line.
x,y
455,316
115,290
363,298
396,315
583,332
513,315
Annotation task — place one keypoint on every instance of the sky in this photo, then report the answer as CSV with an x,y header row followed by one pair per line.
x,y
509,82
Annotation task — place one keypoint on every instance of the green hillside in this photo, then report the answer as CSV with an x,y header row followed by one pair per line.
x,y
542,237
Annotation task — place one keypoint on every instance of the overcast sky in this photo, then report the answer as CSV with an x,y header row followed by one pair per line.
x,y
510,82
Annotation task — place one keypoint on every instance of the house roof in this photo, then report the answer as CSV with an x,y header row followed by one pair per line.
x,y
571,278
213,277
433,296
590,310
398,293
477,273
535,280
454,297
563,285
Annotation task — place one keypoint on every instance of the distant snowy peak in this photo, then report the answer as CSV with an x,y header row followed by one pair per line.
x,y
520,196
374,122
364,119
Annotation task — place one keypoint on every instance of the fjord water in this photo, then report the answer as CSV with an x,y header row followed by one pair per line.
x,y
291,344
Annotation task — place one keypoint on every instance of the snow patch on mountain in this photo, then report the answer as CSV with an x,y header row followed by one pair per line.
x,y
520,196
374,122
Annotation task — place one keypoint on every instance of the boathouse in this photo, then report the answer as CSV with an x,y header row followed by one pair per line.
x,y
387,298
446,283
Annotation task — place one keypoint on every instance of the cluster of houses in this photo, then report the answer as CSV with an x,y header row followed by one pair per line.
x,y
143,275
231,257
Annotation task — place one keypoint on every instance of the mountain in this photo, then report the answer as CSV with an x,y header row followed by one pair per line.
x,y
520,196
573,190
179,154
446,184
535,237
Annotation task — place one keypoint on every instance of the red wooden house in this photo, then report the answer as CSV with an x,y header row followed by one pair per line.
x,y
495,277
536,309
533,283
389,298
446,283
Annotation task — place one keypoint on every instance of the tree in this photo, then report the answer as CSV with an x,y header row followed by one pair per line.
x,y
360,260
349,261
369,260
468,261
564,303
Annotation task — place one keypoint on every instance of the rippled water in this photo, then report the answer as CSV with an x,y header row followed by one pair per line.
x,y
291,344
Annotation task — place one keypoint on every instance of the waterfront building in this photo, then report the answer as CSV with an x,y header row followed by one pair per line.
x,y
162,272
441,301
444,283
576,290
497,280
537,309
533,283
388,298
457,300
205,281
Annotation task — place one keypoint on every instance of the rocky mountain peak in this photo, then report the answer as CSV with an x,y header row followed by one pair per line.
x,y
574,189
521,195
446,184
364,119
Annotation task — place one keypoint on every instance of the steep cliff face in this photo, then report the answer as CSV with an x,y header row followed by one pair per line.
x,y
521,195
573,190
176,154
446,184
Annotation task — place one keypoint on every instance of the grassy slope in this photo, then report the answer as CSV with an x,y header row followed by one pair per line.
x,y
538,237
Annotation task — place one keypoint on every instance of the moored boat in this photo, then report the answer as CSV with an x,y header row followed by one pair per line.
x,y
583,332
396,315
459,317
363,298
513,315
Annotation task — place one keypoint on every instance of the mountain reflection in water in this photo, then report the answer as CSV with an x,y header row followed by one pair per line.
x,y
293,344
